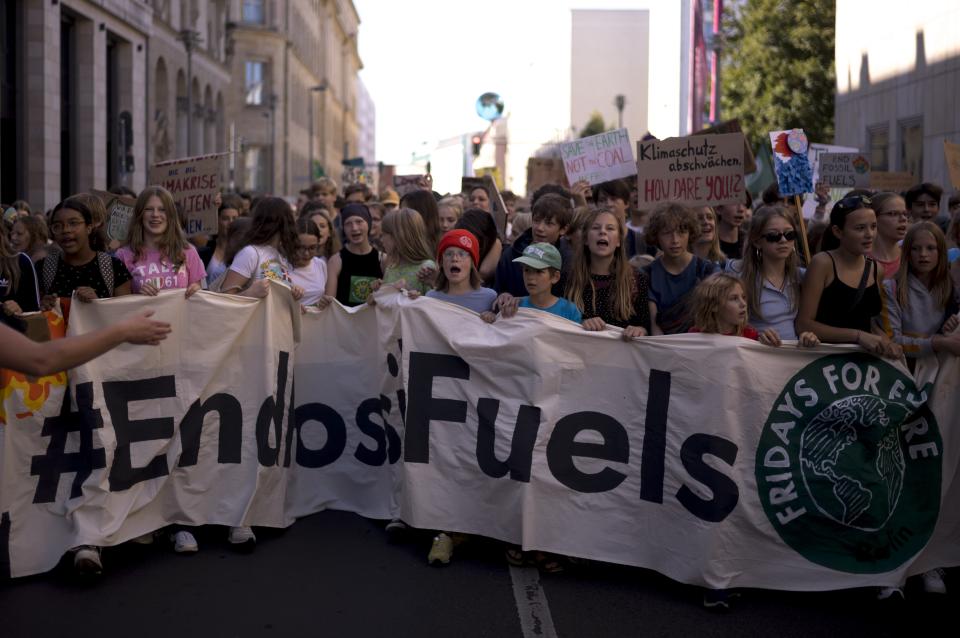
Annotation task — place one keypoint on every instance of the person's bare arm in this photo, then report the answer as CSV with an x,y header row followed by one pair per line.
x,y
39,359
333,272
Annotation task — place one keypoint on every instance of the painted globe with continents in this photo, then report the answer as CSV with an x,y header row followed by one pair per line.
x,y
852,463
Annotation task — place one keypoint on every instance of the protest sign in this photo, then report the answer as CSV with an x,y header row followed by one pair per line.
x,y
404,184
816,150
951,152
497,208
545,170
733,126
598,158
832,469
119,213
844,170
492,171
706,170
892,182
193,182
791,163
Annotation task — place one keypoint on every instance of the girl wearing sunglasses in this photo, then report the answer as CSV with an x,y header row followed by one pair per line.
x,y
771,275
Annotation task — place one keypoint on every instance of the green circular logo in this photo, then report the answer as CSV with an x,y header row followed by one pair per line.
x,y
848,466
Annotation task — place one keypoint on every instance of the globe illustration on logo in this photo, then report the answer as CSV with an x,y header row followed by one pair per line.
x,y
851,461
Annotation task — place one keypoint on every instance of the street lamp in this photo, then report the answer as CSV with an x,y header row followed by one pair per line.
x,y
620,101
320,88
190,39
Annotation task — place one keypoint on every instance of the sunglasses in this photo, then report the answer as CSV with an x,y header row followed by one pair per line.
x,y
854,202
775,236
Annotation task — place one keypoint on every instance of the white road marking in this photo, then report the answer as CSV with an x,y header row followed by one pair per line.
x,y
535,619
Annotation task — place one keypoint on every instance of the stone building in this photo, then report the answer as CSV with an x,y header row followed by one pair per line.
x,y
96,91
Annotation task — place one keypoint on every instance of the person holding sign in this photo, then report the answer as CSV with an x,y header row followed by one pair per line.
x,y
841,292
157,252
892,218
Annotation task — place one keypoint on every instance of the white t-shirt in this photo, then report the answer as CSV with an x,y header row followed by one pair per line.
x,y
262,262
313,279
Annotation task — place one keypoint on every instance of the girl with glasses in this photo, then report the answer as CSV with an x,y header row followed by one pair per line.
x,y
771,275
892,222
309,271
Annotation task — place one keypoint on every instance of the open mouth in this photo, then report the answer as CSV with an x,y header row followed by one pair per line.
x,y
603,242
455,270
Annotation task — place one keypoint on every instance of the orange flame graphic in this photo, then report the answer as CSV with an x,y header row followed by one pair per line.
x,y
32,393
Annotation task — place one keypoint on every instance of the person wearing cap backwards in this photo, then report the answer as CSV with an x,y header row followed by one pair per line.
x,y
541,270
352,272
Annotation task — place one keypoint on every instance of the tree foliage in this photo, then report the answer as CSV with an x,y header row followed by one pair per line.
x,y
595,125
778,67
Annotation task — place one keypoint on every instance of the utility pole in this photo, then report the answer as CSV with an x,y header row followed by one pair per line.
x,y
620,101
190,39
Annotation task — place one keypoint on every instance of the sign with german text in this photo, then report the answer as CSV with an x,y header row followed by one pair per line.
x,y
844,170
599,158
706,170
892,182
733,126
193,182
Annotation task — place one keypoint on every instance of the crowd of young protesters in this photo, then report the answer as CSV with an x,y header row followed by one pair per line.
x,y
884,272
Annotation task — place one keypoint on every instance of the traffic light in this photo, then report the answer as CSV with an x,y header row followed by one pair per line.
x,y
477,143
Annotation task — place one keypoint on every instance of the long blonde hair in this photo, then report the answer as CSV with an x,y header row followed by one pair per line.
x,y
173,244
941,284
332,246
714,254
9,263
708,297
752,262
407,228
624,286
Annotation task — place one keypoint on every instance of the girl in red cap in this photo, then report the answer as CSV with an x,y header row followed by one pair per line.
x,y
459,281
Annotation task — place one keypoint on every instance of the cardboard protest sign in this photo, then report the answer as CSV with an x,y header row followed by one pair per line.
x,y
790,162
497,208
545,170
599,158
193,182
951,152
845,170
119,213
816,150
492,171
404,184
733,126
891,182
705,170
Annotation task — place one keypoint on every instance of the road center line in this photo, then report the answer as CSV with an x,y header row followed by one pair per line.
x,y
532,607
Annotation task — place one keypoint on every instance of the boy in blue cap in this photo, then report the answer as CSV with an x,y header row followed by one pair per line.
x,y
542,264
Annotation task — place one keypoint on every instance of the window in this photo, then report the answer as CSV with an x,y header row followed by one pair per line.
x,y
253,11
254,83
878,138
911,147
254,166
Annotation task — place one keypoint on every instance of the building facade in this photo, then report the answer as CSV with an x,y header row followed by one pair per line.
x,y
96,91
897,84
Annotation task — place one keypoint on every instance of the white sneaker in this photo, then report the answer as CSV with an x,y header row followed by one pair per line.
x,y
184,542
86,560
890,593
933,582
241,536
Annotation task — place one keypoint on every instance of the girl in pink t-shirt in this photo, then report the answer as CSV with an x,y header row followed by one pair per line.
x,y
157,252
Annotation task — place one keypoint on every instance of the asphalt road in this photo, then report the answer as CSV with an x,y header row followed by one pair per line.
x,y
335,574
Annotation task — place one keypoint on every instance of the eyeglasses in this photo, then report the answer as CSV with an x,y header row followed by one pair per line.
x,y
775,236
902,214
307,249
73,224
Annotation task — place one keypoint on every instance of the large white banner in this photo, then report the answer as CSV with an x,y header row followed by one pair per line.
x,y
714,460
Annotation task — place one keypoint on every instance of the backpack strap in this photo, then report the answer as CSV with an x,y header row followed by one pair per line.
x,y
49,272
105,262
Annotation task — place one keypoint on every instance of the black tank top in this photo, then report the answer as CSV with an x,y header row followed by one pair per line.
x,y
837,306
357,274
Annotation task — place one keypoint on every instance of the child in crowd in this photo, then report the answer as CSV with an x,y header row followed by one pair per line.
x,y
892,221
406,249
771,274
841,291
377,212
614,196
602,285
269,250
479,198
213,252
481,224
352,272
542,264
329,240
233,243
157,252
923,202
521,223
29,235
720,307
552,215
458,281
19,292
449,209
707,246
731,219
309,270
677,271
423,202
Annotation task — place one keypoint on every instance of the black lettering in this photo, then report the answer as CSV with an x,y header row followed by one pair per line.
x,y
271,412
562,448
378,455
336,435
724,489
655,437
521,447
118,395
423,407
229,414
